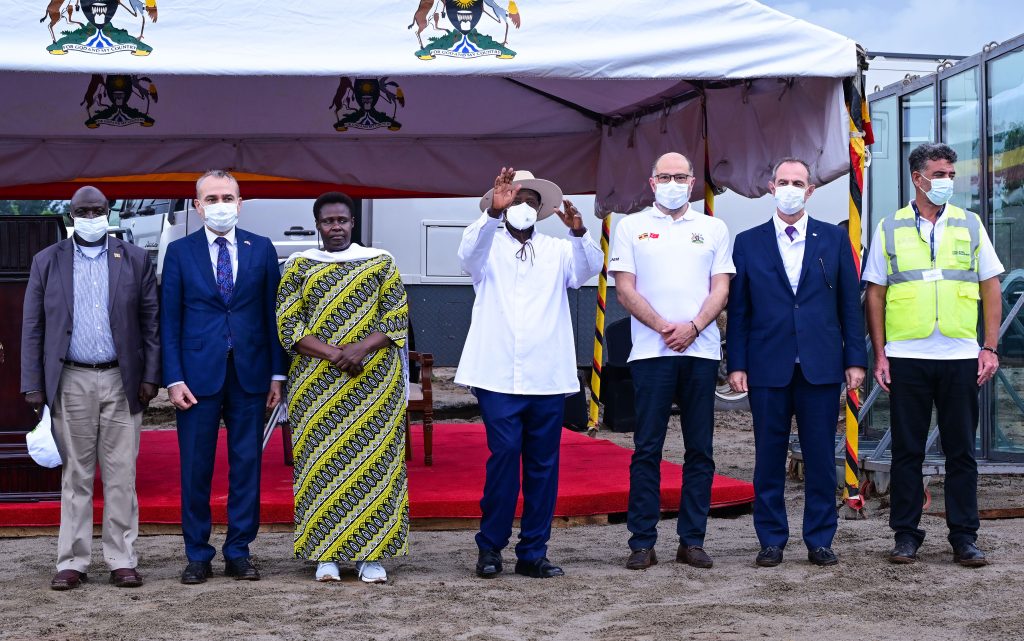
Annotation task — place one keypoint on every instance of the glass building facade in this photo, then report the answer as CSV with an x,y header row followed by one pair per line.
x,y
977,107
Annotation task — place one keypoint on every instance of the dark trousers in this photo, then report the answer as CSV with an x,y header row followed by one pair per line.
x,y
657,382
523,431
198,428
952,386
816,408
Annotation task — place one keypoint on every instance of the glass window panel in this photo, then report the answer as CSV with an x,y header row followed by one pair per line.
x,y
1005,98
918,127
884,172
961,130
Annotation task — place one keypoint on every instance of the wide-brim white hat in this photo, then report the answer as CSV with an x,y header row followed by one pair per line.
x,y
550,193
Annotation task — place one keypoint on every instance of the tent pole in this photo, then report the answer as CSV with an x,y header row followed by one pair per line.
x,y
860,134
602,294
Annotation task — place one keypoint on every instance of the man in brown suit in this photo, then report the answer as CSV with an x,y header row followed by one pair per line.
x,y
91,351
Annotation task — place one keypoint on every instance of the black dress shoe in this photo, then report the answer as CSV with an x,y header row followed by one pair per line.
x,y
968,555
196,572
693,555
903,553
641,559
488,564
539,569
242,569
822,557
769,556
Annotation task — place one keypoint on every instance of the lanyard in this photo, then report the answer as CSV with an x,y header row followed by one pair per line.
x,y
931,238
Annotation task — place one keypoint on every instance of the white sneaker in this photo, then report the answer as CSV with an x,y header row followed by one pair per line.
x,y
371,572
328,571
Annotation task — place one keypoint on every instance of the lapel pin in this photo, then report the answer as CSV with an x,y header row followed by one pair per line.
x,y
117,255
246,242
814,233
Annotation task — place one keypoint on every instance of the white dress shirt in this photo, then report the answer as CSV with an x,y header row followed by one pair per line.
x,y
520,339
673,261
211,239
938,346
792,250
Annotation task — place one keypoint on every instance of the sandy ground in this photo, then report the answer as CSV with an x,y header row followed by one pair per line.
x,y
432,594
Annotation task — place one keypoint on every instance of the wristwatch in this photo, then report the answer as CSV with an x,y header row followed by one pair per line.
x,y
990,349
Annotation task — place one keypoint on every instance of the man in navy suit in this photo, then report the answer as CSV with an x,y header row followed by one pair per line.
x,y
795,331
222,359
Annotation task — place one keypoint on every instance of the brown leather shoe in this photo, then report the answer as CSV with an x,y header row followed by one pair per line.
x,y
68,580
126,578
641,559
693,555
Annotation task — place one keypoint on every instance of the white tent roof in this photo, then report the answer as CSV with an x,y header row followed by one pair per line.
x,y
584,93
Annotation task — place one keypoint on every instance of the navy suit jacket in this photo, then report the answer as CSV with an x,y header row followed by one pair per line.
x,y
195,321
769,326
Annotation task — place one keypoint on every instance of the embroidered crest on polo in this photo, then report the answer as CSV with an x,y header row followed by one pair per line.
x,y
356,103
464,40
97,34
697,239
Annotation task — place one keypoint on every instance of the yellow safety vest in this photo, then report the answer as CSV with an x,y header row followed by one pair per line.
x,y
922,290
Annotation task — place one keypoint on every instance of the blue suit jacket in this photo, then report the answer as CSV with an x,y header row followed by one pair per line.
x,y
195,320
769,325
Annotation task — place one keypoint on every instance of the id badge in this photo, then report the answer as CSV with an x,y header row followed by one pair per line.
x,y
931,275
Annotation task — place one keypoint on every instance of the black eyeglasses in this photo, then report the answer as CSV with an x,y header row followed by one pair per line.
x,y
666,178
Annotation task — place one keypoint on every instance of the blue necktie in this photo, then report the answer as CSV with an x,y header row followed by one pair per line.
x,y
225,282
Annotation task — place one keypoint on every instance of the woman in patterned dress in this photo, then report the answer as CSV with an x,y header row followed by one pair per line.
x,y
342,314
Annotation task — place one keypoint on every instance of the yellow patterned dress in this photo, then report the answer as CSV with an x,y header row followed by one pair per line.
x,y
351,496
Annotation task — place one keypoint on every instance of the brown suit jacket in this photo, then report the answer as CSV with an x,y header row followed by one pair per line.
x,y
50,303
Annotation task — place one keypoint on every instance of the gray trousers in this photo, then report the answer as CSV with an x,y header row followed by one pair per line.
x,y
92,423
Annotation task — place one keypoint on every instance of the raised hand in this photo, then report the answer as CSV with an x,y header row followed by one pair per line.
x,y
570,216
504,191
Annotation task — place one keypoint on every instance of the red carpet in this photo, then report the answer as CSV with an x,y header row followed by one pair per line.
x,y
594,479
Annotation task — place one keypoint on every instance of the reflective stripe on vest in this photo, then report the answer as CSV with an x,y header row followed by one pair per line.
x,y
916,298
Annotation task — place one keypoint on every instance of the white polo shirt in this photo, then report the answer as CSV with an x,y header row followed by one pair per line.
x,y
937,346
673,261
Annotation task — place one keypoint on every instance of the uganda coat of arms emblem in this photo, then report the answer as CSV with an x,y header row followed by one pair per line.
x,y
97,34
464,40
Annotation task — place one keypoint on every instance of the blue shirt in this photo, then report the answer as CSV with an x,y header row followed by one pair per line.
x,y
91,339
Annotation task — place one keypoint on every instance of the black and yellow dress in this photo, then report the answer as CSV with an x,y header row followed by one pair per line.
x,y
351,495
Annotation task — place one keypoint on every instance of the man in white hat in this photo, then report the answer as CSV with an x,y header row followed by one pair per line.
x,y
520,357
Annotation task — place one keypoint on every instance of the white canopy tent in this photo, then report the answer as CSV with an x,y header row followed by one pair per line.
x,y
587,94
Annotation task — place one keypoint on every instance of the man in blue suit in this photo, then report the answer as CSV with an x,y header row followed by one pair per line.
x,y
795,331
222,359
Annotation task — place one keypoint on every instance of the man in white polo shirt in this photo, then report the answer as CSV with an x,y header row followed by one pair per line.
x,y
520,357
672,268
930,263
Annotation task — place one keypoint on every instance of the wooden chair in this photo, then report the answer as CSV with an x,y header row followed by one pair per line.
x,y
421,400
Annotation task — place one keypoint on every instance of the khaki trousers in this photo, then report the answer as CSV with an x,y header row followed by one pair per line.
x,y
92,422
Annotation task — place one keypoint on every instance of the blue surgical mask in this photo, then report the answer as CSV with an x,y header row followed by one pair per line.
x,y
941,191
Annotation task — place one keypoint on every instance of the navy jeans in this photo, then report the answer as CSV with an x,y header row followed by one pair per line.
x,y
523,431
690,381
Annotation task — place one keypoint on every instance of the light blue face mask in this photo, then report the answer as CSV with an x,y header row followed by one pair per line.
x,y
941,191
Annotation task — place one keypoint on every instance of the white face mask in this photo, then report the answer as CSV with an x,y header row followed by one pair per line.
x,y
521,216
789,199
91,229
941,191
221,217
672,195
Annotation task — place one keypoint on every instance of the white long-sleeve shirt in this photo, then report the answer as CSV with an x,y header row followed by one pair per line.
x,y
520,339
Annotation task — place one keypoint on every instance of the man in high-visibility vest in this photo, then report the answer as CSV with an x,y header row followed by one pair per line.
x,y
930,263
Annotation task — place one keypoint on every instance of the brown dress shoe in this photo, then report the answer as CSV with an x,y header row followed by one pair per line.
x,y
693,555
641,559
68,580
126,578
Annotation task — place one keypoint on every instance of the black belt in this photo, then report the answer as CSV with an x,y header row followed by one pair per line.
x,y
107,365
